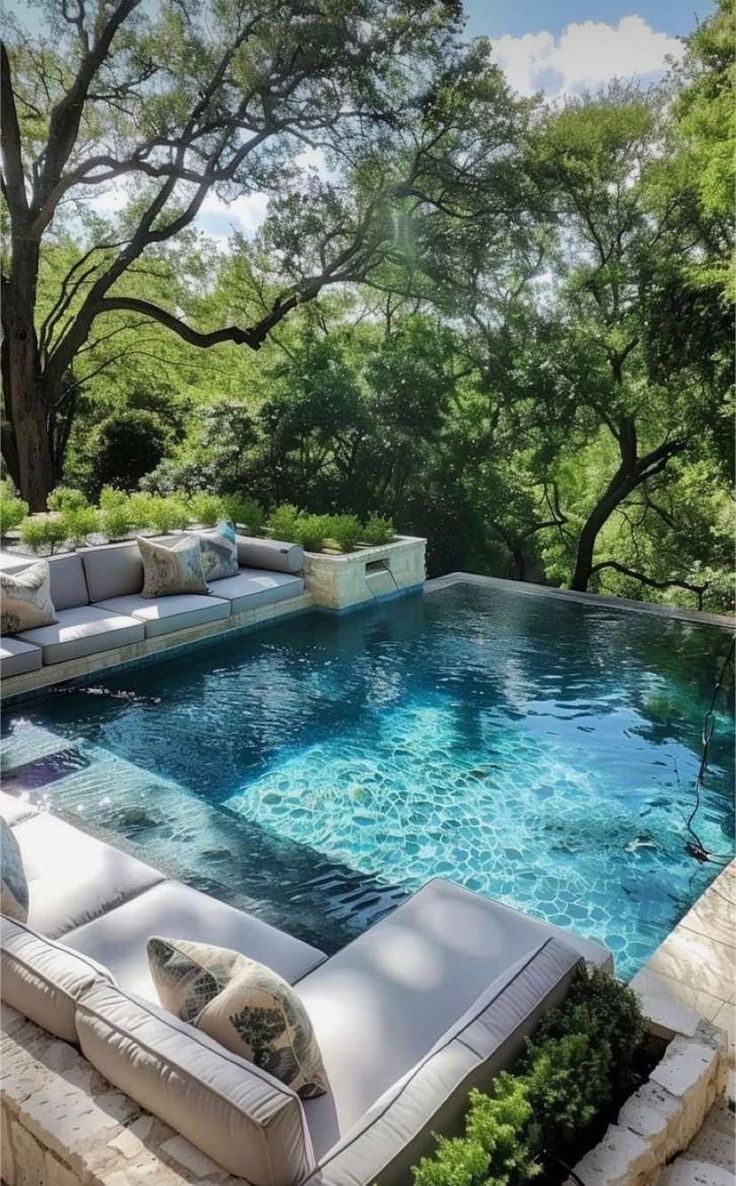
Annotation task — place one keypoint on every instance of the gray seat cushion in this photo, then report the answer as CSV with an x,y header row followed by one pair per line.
x,y
115,570
72,877
255,586
175,911
14,810
272,554
382,1002
85,630
17,657
162,615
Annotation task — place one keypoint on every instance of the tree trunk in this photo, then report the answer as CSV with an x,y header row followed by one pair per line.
x,y
26,445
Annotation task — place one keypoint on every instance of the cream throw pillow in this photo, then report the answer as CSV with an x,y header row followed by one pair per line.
x,y
167,571
25,599
243,1005
13,884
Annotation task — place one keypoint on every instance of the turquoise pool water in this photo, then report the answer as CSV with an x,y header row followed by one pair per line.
x,y
530,747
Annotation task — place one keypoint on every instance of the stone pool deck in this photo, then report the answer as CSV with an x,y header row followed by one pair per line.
x,y
690,977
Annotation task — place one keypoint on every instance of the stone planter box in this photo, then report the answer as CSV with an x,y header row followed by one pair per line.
x,y
660,1119
340,582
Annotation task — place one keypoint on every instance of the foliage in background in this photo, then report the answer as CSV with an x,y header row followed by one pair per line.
x,y
584,1056
532,366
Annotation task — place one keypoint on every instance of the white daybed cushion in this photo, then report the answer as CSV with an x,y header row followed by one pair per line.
x,y
396,1131
256,586
165,614
382,1002
85,630
72,877
17,657
245,1120
42,979
118,939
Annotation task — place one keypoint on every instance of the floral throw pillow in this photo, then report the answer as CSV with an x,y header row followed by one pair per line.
x,y
13,884
243,1005
25,599
167,571
219,552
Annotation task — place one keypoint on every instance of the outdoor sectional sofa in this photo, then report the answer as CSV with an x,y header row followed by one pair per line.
x,y
97,597
435,998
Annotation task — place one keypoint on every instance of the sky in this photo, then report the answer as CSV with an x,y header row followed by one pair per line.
x,y
558,47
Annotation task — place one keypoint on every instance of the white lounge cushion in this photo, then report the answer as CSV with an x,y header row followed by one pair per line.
x,y
165,614
85,630
14,810
118,939
246,1121
17,657
72,877
42,979
115,570
396,1131
255,586
381,1003
272,554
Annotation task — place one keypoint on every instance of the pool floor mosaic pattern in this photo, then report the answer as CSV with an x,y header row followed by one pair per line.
x,y
530,748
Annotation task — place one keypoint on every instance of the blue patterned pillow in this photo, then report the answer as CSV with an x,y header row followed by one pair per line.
x,y
219,552
13,884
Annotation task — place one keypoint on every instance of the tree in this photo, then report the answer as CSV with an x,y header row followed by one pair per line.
x,y
202,96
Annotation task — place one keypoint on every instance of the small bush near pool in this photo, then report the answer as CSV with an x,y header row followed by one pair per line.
x,y
582,1061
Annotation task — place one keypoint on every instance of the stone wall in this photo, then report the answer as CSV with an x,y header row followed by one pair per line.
x,y
340,582
663,1116
64,1125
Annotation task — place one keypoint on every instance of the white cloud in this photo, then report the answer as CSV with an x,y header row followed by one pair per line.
x,y
586,54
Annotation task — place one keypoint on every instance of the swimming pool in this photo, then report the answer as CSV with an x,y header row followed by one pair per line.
x,y
534,748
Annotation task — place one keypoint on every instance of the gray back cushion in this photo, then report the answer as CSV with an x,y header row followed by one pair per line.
x,y
42,979
246,1121
269,553
113,571
68,586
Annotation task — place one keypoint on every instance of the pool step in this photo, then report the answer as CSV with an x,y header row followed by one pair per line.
x,y
209,847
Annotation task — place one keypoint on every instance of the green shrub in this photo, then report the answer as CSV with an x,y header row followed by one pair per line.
x,y
282,523
246,511
115,520
79,523
346,531
377,530
140,510
582,1057
312,531
111,497
207,509
67,498
168,514
498,1146
42,533
13,509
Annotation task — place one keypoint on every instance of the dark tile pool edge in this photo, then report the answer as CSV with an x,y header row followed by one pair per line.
x,y
527,588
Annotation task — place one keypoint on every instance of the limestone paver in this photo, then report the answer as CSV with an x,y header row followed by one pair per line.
x,y
712,1145
697,960
688,1172
714,914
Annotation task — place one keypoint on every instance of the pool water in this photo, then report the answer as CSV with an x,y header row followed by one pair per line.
x,y
530,747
